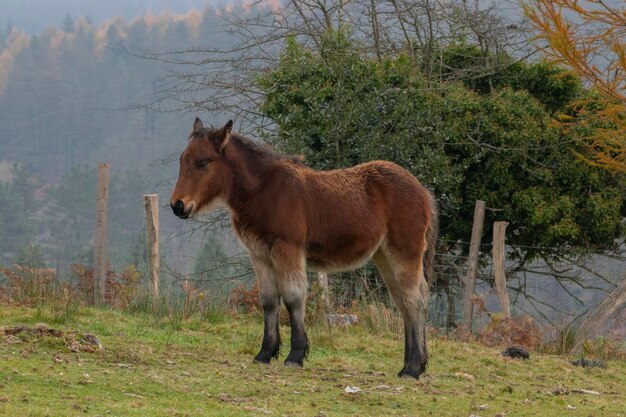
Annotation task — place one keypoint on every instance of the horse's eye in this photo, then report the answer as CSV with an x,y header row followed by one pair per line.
x,y
202,163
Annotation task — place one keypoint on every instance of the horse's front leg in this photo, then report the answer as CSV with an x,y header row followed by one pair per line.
x,y
270,300
292,283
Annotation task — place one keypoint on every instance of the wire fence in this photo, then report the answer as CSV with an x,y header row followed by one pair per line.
x,y
206,254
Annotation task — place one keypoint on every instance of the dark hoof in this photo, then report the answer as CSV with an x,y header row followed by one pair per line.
x,y
409,373
295,359
265,357
292,363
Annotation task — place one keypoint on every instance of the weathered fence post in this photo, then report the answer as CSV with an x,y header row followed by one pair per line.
x,y
151,203
612,303
100,267
322,280
472,262
499,231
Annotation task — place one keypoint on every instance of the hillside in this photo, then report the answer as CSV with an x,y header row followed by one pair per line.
x,y
35,16
199,367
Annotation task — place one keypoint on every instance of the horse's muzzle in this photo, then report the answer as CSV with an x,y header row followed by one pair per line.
x,y
178,207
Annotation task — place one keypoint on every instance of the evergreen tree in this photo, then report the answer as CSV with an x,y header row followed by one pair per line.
x,y
68,24
210,267
71,214
30,256
18,217
340,108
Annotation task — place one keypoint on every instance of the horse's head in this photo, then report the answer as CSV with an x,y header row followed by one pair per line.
x,y
204,174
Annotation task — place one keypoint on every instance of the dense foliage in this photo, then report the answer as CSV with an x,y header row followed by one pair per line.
x,y
465,141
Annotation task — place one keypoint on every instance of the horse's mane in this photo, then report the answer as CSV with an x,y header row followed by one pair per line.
x,y
251,148
262,150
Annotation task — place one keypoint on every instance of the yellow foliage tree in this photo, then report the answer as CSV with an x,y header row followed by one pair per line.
x,y
589,36
13,45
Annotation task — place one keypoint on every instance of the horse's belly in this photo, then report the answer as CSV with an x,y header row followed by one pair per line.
x,y
331,267
337,258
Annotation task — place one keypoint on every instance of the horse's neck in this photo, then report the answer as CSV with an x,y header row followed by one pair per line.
x,y
247,182
242,202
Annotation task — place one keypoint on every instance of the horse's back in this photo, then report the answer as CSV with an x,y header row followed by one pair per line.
x,y
377,188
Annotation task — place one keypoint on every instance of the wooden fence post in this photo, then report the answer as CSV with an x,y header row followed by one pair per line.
x,y
472,263
151,203
499,231
100,267
322,280
614,301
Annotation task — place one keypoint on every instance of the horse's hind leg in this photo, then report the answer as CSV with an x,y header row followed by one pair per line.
x,y
292,283
270,300
409,291
295,302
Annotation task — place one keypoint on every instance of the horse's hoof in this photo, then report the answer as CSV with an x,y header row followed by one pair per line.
x,y
263,357
409,373
293,363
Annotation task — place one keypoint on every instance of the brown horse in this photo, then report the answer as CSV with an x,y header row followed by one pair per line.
x,y
292,218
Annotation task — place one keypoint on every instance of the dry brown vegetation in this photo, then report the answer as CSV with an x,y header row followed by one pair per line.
x,y
38,287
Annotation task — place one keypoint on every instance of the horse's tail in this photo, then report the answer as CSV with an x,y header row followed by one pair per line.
x,y
431,242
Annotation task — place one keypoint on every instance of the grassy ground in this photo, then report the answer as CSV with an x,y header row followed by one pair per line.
x,y
204,367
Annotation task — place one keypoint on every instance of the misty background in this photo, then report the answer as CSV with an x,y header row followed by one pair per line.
x,y
35,16
72,96
80,84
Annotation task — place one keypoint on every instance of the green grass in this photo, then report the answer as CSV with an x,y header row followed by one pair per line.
x,y
203,366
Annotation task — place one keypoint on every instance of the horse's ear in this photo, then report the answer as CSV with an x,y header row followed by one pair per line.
x,y
197,125
228,127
